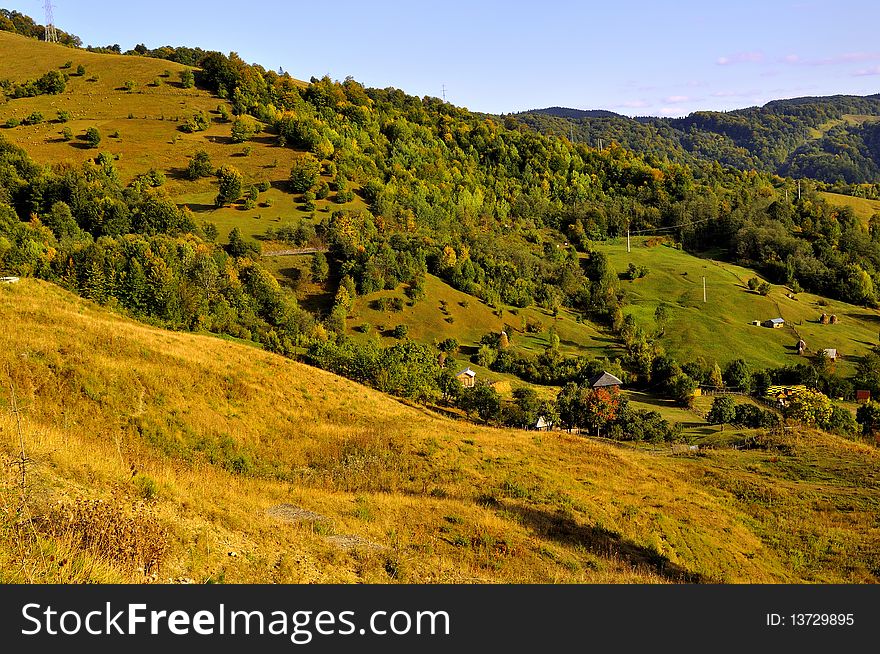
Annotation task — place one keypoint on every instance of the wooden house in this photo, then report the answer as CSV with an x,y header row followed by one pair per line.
x,y
605,380
467,377
774,323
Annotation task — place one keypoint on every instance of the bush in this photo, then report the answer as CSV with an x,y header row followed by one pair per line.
x,y
34,119
92,137
63,116
243,129
187,79
752,417
12,123
400,332
199,166
129,535
196,123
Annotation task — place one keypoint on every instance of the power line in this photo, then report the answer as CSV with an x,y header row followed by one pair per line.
x,y
51,32
670,227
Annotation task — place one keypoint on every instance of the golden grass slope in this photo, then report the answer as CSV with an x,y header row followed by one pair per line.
x,y
205,436
147,120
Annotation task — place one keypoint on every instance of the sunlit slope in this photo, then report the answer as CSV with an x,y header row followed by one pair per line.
x,y
223,432
720,329
141,129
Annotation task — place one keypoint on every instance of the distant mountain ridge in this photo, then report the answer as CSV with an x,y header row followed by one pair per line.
x,y
831,138
567,112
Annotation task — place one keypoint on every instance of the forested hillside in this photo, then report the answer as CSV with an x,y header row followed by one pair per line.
x,y
831,139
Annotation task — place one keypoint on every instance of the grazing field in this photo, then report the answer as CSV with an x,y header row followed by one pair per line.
x,y
141,129
236,465
862,207
721,330
448,313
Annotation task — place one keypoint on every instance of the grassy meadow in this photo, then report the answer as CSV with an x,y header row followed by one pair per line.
x,y
721,330
141,128
217,453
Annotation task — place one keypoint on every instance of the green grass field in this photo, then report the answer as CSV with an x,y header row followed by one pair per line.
x,y
446,312
720,329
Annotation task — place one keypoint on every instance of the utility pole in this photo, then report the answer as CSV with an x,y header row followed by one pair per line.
x,y
628,248
704,290
51,33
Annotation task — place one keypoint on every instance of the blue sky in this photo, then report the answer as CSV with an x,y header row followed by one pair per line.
x,y
636,57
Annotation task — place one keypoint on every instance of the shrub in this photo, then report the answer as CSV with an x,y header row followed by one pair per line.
x,y
199,166
12,123
63,116
400,332
80,70
129,535
92,137
196,123
34,119
243,129
187,79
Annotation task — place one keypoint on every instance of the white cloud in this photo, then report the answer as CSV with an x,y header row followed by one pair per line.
x,y
741,58
864,72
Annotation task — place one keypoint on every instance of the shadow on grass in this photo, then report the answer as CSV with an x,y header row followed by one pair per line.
x,y
195,207
603,542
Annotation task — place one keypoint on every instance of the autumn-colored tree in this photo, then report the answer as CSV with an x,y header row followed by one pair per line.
x,y
599,407
716,379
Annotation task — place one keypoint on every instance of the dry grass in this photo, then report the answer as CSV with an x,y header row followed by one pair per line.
x,y
211,435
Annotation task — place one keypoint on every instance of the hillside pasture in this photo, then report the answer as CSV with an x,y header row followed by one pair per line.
x,y
720,330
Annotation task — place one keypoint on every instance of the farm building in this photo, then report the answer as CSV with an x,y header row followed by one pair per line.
x,y
830,353
782,394
863,397
467,377
605,380
774,323
543,424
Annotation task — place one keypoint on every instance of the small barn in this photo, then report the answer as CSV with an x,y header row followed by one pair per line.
x,y
605,380
467,377
830,353
543,424
774,323
863,397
